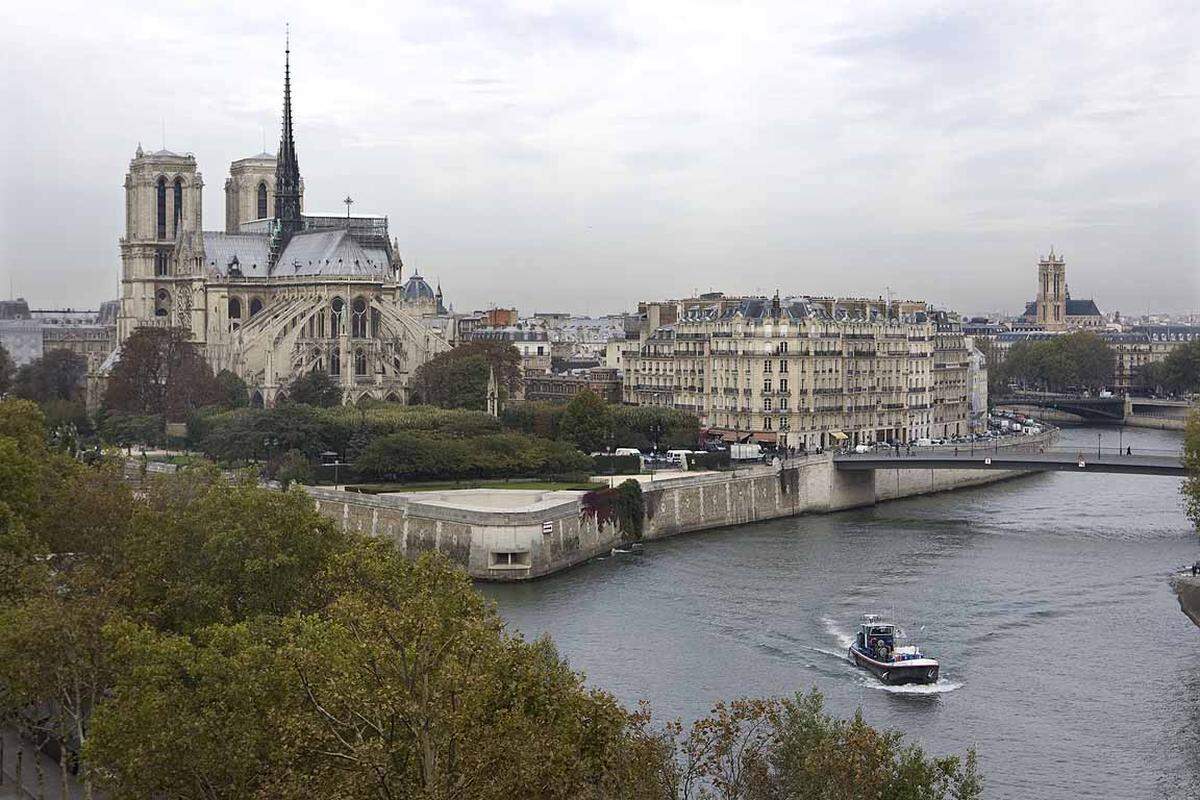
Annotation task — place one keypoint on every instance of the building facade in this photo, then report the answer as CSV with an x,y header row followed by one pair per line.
x,y
277,292
807,372
602,381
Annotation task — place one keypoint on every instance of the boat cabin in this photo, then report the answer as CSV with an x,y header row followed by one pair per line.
x,y
876,639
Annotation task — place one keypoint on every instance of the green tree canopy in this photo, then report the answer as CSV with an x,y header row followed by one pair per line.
x,y
231,390
315,388
586,422
1069,362
57,375
458,378
160,372
8,368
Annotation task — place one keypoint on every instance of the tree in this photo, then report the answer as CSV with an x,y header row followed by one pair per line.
x,y
586,422
57,375
315,388
161,372
458,378
294,467
54,659
231,391
7,369
1191,459
1180,372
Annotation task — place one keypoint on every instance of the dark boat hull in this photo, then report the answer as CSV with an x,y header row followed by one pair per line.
x,y
896,673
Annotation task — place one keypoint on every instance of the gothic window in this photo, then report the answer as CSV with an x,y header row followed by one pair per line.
x,y
335,363
359,321
235,308
338,307
178,211
255,306
161,208
262,201
321,324
161,260
162,303
360,362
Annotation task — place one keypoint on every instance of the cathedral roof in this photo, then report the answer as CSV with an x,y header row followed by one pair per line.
x,y
249,252
330,252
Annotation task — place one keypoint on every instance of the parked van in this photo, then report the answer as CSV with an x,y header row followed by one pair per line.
x,y
924,442
679,457
627,451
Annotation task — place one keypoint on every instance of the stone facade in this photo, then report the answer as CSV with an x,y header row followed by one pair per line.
x,y
270,296
807,372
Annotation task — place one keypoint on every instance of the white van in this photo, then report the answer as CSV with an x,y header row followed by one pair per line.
x,y
924,442
627,451
679,457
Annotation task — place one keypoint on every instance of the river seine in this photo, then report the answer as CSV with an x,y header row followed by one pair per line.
x,y
1065,659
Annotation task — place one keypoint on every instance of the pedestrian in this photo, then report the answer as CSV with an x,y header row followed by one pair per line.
x,y
1128,451
1196,569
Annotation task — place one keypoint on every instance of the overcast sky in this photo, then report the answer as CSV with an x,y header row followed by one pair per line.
x,y
580,156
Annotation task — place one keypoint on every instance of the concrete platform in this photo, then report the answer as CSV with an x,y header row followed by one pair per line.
x,y
491,499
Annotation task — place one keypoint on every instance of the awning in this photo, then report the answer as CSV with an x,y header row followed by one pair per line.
x,y
765,438
838,435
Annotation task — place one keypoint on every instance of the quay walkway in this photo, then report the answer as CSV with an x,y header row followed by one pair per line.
x,y
1054,459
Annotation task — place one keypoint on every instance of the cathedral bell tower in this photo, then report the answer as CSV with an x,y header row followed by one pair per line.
x,y
162,250
288,219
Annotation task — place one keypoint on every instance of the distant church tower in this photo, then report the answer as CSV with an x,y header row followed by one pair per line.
x,y
162,250
1052,292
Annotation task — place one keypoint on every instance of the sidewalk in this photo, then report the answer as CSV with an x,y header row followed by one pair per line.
x,y
51,775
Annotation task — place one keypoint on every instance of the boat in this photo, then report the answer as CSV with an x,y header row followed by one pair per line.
x,y
876,649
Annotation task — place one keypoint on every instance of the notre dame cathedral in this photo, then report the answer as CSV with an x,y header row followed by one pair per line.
x,y
278,292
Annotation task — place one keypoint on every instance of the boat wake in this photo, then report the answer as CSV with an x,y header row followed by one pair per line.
x,y
942,686
844,639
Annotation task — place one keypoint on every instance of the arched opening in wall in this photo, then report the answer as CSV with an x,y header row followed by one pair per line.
x,y
281,398
358,324
321,324
256,399
360,362
365,400
255,306
162,303
335,363
235,308
160,205
337,310
392,398
177,214
262,201
162,259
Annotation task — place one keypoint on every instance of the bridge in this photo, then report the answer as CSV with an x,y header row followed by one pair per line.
x,y
1060,460
1095,409
1104,409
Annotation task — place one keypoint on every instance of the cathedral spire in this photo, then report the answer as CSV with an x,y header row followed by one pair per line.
x,y
287,168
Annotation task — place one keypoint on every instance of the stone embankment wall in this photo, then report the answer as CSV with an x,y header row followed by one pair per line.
x,y
508,545
1187,587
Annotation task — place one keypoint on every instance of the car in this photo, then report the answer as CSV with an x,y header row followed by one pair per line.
x,y
862,448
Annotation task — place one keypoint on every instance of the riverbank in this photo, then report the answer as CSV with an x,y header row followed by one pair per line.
x,y
528,535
